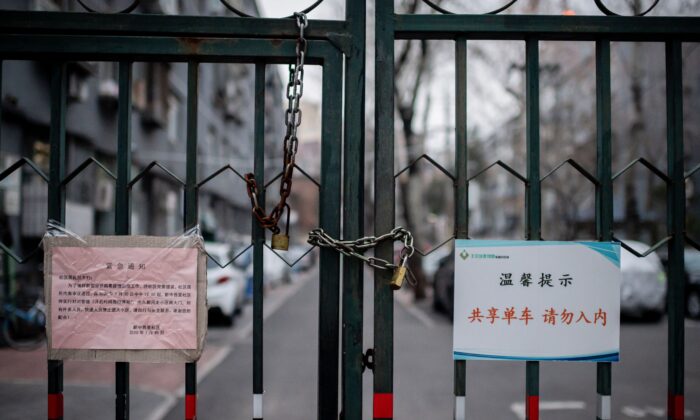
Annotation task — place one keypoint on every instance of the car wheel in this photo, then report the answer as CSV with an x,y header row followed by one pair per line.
x,y
437,305
653,316
227,320
693,304
450,302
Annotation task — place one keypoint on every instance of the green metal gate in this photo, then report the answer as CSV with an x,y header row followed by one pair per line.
x,y
339,47
336,46
531,30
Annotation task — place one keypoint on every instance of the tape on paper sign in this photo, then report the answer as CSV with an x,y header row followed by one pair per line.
x,y
125,298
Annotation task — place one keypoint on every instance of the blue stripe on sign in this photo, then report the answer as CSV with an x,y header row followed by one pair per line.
x,y
601,357
609,250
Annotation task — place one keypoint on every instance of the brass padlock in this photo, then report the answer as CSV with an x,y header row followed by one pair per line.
x,y
398,277
280,242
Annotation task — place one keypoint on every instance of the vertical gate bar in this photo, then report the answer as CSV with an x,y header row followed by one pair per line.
x,y
353,215
1,65
604,196
56,209
329,219
191,211
258,243
532,198
57,139
384,217
676,226
461,197
6,286
122,213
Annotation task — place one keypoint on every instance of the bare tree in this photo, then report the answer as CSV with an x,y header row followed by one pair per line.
x,y
412,74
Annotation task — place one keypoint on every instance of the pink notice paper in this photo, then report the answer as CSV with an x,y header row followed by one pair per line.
x,y
124,298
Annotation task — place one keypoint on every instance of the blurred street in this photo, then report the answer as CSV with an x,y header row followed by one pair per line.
x,y
423,369
551,121
423,381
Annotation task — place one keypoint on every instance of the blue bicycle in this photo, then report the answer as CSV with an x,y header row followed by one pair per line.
x,y
24,329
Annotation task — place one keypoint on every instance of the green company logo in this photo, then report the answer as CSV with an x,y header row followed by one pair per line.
x,y
464,254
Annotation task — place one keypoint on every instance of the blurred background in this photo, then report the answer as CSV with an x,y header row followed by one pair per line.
x,y
425,126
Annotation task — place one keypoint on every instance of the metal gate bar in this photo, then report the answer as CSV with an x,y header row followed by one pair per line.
x,y
148,25
384,201
122,211
353,211
676,229
57,208
258,243
553,28
329,220
532,29
604,195
191,215
533,209
461,196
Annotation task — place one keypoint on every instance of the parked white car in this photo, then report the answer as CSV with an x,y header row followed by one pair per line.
x,y
692,285
643,291
275,270
225,286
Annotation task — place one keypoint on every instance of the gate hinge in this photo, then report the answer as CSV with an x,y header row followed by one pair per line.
x,y
368,360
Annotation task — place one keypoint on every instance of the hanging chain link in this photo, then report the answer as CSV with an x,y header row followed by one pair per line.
x,y
357,247
292,119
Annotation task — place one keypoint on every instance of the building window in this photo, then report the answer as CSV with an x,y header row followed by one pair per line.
x,y
174,128
108,83
156,95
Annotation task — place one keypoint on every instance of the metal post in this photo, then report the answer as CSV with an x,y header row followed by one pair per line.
x,y
384,217
676,227
258,244
353,214
329,220
122,213
1,66
191,211
532,198
604,195
461,197
57,209
6,288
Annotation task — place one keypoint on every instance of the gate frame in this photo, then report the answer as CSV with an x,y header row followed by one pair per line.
x,y
61,37
673,31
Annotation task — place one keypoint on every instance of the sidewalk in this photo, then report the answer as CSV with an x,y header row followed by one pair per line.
x,y
156,389
89,387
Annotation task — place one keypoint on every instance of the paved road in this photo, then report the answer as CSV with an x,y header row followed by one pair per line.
x,y
89,387
423,381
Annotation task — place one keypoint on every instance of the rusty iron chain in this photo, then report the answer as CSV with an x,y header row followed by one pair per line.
x,y
356,248
292,120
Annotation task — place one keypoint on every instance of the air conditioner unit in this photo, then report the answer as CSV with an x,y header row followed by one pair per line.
x,y
104,194
138,94
78,89
108,91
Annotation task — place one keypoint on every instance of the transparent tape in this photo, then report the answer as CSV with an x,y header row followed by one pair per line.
x,y
128,298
